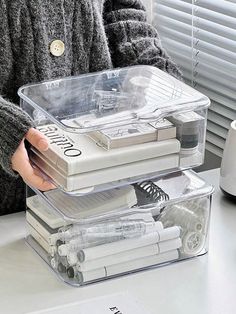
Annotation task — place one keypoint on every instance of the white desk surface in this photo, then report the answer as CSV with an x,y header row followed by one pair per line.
x,y
203,285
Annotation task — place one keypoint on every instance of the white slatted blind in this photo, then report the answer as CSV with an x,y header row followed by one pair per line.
x,y
200,35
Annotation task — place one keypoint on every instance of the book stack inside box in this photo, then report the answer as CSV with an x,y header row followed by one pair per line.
x,y
120,144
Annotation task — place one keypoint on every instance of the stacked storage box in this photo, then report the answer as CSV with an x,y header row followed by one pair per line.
x,y
121,142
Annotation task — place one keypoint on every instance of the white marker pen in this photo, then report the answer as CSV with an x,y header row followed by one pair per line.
x,y
131,255
129,244
86,276
117,247
120,229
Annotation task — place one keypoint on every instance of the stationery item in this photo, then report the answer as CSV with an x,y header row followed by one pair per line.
x,y
121,257
92,204
107,175
40,207
42,228
59,263
193,242
39,239
122,229
191,216
131,254
189,127
174,185
92,253
79,237
164,129
49,235
149,193
80,207
134,134
128,224
112,270
72,258
74,241
72,153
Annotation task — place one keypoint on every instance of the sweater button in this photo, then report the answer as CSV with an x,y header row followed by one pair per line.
x,y
57,48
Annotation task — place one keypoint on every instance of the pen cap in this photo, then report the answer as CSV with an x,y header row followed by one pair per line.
x,y
63,249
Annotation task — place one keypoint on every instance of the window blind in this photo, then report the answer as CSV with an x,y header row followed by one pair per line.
x,y
200,35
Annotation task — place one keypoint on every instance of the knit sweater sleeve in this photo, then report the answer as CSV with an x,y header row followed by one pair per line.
x,y
14,123
132,40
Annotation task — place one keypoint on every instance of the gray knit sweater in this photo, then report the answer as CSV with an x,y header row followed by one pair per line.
x,y
97,34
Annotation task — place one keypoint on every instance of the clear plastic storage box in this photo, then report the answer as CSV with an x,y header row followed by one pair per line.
x,y
116,127
102,235
119,141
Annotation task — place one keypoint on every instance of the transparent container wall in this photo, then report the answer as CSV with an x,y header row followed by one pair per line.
x,y
143,195
110,98
161,223
78,163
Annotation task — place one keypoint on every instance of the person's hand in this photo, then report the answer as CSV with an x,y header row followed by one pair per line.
x,y
21,164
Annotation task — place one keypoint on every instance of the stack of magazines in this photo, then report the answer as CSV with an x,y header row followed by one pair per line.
x,y
120,144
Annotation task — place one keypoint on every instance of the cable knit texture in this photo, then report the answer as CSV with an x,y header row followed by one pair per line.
x,y
98,34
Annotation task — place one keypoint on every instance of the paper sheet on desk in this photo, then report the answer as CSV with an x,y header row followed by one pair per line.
x,y
122,303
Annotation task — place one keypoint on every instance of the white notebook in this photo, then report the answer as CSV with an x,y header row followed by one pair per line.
x,y
75,153
107,175
38,238
45,212
39,225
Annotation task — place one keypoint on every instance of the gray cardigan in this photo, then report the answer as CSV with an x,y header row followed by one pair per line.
x,y
97,34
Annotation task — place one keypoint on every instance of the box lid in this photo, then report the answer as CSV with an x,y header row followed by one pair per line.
x,y
110,98
143,197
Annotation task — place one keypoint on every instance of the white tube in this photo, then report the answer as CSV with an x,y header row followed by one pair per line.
x,y
127,244
131,255
91,275
84,276
119,257
142,262
169,245
117,247
169,233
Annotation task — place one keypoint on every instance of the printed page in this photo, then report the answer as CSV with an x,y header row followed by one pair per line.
x,y
122,303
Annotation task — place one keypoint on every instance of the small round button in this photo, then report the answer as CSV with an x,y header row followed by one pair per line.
x,y
57,48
